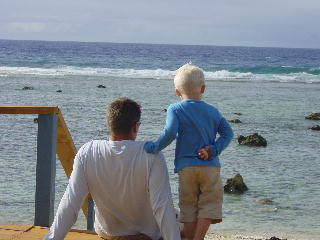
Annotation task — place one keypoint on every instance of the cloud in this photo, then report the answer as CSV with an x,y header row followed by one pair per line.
x,y
25,27
247,22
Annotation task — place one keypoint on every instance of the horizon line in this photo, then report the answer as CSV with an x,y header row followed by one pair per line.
x,y
146,43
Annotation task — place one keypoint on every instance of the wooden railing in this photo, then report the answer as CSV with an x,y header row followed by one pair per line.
x,y
53,139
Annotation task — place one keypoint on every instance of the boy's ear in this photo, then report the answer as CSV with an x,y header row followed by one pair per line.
x,y
203,87
178,93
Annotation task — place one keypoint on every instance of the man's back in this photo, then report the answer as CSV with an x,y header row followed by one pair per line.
x,y
117,173
130,189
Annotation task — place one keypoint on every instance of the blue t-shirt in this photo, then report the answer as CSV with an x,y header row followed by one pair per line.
x,y
195,124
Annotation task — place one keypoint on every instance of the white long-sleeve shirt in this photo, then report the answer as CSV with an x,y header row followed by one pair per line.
x,y
130,189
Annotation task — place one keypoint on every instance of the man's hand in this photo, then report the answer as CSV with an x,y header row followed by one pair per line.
x,y
205,153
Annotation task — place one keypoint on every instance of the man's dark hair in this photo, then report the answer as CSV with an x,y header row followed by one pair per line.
x,y
122,113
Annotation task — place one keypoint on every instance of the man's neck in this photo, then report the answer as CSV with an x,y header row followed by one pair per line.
x,y
120,137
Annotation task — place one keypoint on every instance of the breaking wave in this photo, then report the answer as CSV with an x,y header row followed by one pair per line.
x,y
220,75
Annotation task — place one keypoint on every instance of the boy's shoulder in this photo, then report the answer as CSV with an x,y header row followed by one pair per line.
x,y
190,103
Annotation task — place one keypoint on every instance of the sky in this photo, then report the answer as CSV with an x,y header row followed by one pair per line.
x,y
264,23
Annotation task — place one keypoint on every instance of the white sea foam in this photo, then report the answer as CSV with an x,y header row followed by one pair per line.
x,y
87,71
220,75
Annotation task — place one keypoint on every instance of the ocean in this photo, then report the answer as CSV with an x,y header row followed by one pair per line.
x,y
273,89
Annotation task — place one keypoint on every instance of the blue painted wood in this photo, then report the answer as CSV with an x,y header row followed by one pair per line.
x,y
46,170
90,217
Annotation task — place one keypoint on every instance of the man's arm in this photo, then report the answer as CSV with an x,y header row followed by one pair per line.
x,y
226,135
168,134
161,199
70,203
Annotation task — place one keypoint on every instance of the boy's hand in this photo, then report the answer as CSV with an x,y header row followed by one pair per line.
x,y
205,153
149,147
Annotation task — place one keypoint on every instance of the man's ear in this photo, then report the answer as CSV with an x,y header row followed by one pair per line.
x,y
135,128
203,87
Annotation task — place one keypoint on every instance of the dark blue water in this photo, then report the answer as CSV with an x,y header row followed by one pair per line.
x,y
42,54
273,88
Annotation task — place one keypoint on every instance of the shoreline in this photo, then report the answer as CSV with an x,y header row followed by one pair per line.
x,y
220,236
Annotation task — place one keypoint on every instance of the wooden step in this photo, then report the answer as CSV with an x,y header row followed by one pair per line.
x,y
29,232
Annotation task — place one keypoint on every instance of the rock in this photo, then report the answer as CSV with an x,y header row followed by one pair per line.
x,y
265,201
316,128
27,88
313,116
35,120
101,86
237,113
59,90
235,120
275,238
252,140
235,185
165,110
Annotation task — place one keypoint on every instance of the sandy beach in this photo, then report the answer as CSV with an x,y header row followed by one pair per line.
x,y
229,237
238,237
212,236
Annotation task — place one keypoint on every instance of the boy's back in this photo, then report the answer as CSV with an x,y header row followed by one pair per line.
x,y
197,124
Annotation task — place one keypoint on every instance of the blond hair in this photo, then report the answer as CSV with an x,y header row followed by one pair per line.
x,y
188,78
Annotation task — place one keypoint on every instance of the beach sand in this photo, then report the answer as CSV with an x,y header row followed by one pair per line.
x,y
230,237
224,237
211,236
233,237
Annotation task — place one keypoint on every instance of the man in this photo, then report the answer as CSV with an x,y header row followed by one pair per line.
x,y
130,187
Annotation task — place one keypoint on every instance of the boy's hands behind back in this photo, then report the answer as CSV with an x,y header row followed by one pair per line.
x,y
205,153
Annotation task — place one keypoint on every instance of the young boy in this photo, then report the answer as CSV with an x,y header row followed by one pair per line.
x,y
195,125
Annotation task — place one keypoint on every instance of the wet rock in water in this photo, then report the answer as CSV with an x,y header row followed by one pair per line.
x,y
27,88
316,128
235,120
265,201
313,116
101,86
252,140
59,90
235,185
35,120
238,113
275,238
165,110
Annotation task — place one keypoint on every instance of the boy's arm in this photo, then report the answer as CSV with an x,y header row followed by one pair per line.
x,y
226,135
167,135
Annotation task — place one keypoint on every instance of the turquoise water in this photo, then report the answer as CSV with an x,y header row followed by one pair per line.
x,y
272,102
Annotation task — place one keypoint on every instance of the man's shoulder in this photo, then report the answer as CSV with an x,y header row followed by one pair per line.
x,y
91,146
99,145
134,143
149,156
93,143
140,144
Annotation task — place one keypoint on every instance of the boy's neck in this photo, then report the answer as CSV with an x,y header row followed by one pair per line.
x,y
191,97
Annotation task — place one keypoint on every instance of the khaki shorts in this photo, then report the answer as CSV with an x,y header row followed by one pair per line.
x,y
200,194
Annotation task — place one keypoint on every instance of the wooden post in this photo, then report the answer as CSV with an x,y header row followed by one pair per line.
x,y
90,216
46,170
